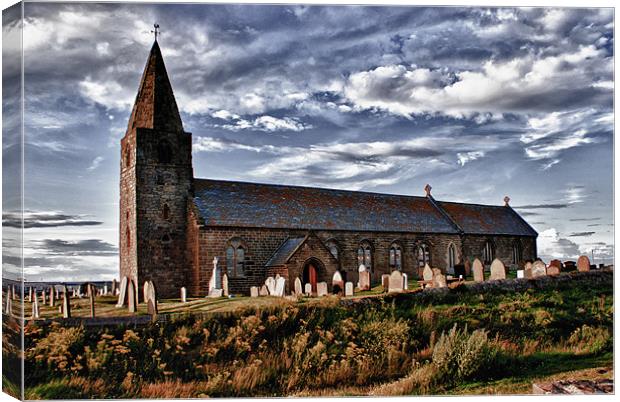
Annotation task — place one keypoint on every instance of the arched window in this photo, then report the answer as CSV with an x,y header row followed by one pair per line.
x,y
166,212
235,258
451,257
164,152
488,252
396,257
364,255
424,255
332,245
517,254
166,238
128,237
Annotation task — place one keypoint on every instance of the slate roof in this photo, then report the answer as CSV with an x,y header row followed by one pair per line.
x,y
285,251
241,204
487,219
227,203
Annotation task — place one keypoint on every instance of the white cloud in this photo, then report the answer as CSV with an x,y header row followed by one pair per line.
x,y
551,245
95,163
266,123
464,157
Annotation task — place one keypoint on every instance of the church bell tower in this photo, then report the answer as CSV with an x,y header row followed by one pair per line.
x,y
156,182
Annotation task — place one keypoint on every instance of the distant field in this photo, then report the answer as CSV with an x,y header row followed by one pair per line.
x,y
481,339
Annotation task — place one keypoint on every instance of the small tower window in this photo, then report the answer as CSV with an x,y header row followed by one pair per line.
x,y
166,212
488,252
164,152
424,255
396,257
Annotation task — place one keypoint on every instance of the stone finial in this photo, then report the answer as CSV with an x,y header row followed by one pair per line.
x,y
428,189
506,201
215,261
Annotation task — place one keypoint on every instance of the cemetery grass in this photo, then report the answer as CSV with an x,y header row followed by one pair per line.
x,y
457,342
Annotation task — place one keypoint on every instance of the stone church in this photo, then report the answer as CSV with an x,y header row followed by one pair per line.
x,y
173,225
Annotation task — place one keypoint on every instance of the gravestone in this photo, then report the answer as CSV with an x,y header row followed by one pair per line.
x,y
385,282
13,292
122,292
553,270
270,282
105,290
215,293
570,265
520,273
132,297
308,289
321,289
66,303
439,279
35,307
498,270
478,270
583,264
8,307
52,297
337,283
395,283
151,298
527,270
467,267
43,299
215,282
225,285
405,282
280,286
427,273
91,300
348,289
145,290
539,269
364,279
183,295
264,291
30,294
556,263
298,288
254,291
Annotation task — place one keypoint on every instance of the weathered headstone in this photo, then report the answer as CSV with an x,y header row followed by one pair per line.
x,y
13,292
520,273
583,264
385,282
254,291
348,289
225,285
35,307
364,279
427,274
52,297
556,263
122,292
145,290
539,269
337,282
132,297
439,279
395,283
298,287
66,303
114,286
215,293
183,295
553,270
264,291
308,289
151,299
280,287
8,306
478,270
527,270
43,298
405,282
216,277
498,270
467,266
321,289
270,282
30,294
105,290
91,300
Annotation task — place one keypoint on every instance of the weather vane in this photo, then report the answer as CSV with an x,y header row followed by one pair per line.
x,y
156,30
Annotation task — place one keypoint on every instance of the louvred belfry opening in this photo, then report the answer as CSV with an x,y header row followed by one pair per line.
x,y
155,106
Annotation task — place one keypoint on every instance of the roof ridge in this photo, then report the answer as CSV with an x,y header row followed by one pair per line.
x,y
445,213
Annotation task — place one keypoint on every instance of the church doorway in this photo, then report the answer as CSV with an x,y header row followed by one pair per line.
x,y
311,275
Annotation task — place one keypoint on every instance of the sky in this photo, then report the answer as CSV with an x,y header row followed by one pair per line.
x,y
478,102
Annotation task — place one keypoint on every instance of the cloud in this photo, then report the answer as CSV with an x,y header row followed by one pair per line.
x,y
95,163
584,219
551,245
581,234
265,123
89,247
464,157
542,206
45,219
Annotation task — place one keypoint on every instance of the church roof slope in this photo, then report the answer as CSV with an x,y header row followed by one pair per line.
x,y
285,251
487,219
228,203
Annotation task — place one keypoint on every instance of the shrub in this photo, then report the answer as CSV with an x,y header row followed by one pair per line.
x,y
586,339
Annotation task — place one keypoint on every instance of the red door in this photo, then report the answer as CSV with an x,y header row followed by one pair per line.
x,y
313,277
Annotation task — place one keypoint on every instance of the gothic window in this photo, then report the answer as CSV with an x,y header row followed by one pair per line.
x,y
166,212
396,257
332,245
488,252
517,254
451,257
364,255
164,152
424,255
235,258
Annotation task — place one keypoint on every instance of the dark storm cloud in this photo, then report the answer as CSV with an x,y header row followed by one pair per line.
x,y
543,206
584,219
581,234
45,220
90,247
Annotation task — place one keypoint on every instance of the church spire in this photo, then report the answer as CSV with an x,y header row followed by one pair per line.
x,y
155,106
